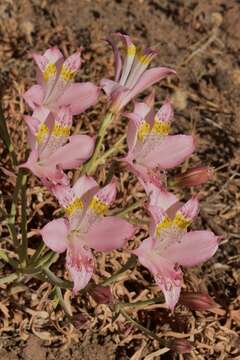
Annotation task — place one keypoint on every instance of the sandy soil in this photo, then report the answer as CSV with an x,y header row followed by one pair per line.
x,y
201,40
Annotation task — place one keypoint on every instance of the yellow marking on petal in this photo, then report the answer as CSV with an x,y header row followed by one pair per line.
x,y
161,127
144,129
131,50
73,206
98,206
181,221
164,224
144,59
59,130
67,74
41,133
49,71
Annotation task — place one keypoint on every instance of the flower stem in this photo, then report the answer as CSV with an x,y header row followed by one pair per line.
x,y
24,245
127,209
6,138
13,211
56,280
143,329
90,165
139,304
62,302
132,261
114,149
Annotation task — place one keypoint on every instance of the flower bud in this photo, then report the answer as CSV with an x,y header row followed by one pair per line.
x,y
102,294
197,301
195,176
181,346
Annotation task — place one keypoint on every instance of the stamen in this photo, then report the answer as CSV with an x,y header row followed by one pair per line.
x,y
59,130
49,71
181,221
161,127
41,133
98,206
164,224
67,74
143,130
72,207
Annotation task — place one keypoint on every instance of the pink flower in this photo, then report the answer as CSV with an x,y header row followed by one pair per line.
x,y
149,145
55,86
170,245
53,149
132,77
85,227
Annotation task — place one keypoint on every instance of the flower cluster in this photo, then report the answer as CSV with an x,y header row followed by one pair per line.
x,y
86,224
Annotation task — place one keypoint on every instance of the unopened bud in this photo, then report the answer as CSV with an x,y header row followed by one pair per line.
x,y
195,176
181,346
197,301
102,294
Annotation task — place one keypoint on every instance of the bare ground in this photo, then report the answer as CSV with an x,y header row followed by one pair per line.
x,y
201,39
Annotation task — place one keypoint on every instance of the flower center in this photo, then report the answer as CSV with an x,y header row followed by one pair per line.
x,y
74,206
98,206
49,71
67,74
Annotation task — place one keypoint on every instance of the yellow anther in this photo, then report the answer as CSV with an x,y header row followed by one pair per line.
x,y
73,206
164,224
41,133
49,71
98,206
144,129
161,127
59,130
181,221
131,50
67,74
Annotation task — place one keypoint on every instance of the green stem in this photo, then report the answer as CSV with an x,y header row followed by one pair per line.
x,y
24,245
132,261
38,253
90,165
46,261
13,211
62,302
114,149
139,304
143,329
6,138
56,280
127,209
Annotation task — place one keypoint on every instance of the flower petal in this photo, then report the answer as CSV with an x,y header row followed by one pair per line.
x,y
170,152
117,57
80,96
83,185
168,279
194,248
129,58
80,264
148,78
159,196
109,86
73,154
34,96
109,233
54,235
